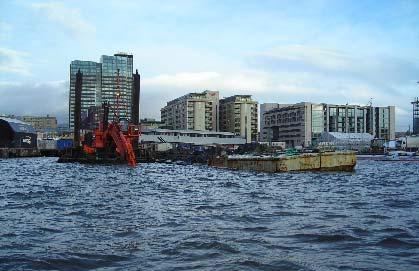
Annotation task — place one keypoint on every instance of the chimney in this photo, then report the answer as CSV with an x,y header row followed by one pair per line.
x,y
135,103
77,108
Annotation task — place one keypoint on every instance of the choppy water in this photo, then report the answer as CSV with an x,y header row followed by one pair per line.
x,y
172,217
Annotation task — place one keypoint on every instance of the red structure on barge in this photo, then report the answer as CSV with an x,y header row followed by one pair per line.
x,y
115,142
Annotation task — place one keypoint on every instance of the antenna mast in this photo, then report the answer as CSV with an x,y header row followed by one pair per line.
x,y
118,93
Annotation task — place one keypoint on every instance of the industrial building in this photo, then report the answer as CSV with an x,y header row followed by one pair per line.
x,y
200,138
301,124
150,123
17,134
345,141
111,80
41,123
239,115
193,111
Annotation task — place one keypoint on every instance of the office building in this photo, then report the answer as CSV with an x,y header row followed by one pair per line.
x,y
193,111
239,115
110,80
114,92
91,90
264,136
302,123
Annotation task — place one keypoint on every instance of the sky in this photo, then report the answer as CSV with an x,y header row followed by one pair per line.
x,y
280,51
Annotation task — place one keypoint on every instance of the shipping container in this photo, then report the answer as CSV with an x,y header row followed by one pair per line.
x,y
63,144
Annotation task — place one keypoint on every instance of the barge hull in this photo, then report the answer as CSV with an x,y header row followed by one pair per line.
x,y
336,161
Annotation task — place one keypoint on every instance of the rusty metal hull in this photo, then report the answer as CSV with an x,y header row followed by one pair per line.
x,y
333,161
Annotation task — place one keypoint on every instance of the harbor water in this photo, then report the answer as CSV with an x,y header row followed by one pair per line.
x,y
176,217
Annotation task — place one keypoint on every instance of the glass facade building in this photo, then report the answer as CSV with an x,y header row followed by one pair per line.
x,y
91,92
110,85
100,84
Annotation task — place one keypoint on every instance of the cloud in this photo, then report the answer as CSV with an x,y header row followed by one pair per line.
x,y
338,77
247,81
379,69
35,99
156,91
12,61
291,74
311,56
5,31
69,18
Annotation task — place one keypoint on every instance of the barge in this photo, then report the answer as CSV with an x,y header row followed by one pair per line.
x,y
326,161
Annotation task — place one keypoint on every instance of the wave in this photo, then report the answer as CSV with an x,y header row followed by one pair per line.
x,y
257,229
391,242
274,265
209,245
324,238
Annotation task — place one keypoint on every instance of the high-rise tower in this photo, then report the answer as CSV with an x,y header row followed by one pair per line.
x,y
91,89
117,77
111,81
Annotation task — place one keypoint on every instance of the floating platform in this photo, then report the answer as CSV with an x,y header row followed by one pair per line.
x,y
77,155
18,152
327,161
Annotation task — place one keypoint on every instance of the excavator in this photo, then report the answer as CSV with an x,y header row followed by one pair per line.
x,y
112,139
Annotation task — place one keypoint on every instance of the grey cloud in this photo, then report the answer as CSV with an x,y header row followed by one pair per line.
x,y
35,99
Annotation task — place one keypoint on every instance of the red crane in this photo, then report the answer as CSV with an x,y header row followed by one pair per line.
x,y
115,137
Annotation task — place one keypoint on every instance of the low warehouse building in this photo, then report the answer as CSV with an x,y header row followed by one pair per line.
x,y
17,134
199,138
345,141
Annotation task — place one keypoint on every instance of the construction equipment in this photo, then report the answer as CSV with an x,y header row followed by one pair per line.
x,y
112,139
110,142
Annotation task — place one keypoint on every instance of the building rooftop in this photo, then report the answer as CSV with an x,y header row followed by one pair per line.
x,y
190,132
247,98
19,126
194,95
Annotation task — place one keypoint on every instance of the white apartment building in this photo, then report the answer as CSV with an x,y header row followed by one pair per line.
x,y
193,111
239,115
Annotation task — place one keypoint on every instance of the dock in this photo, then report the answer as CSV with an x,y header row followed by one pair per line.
x,y
18,152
